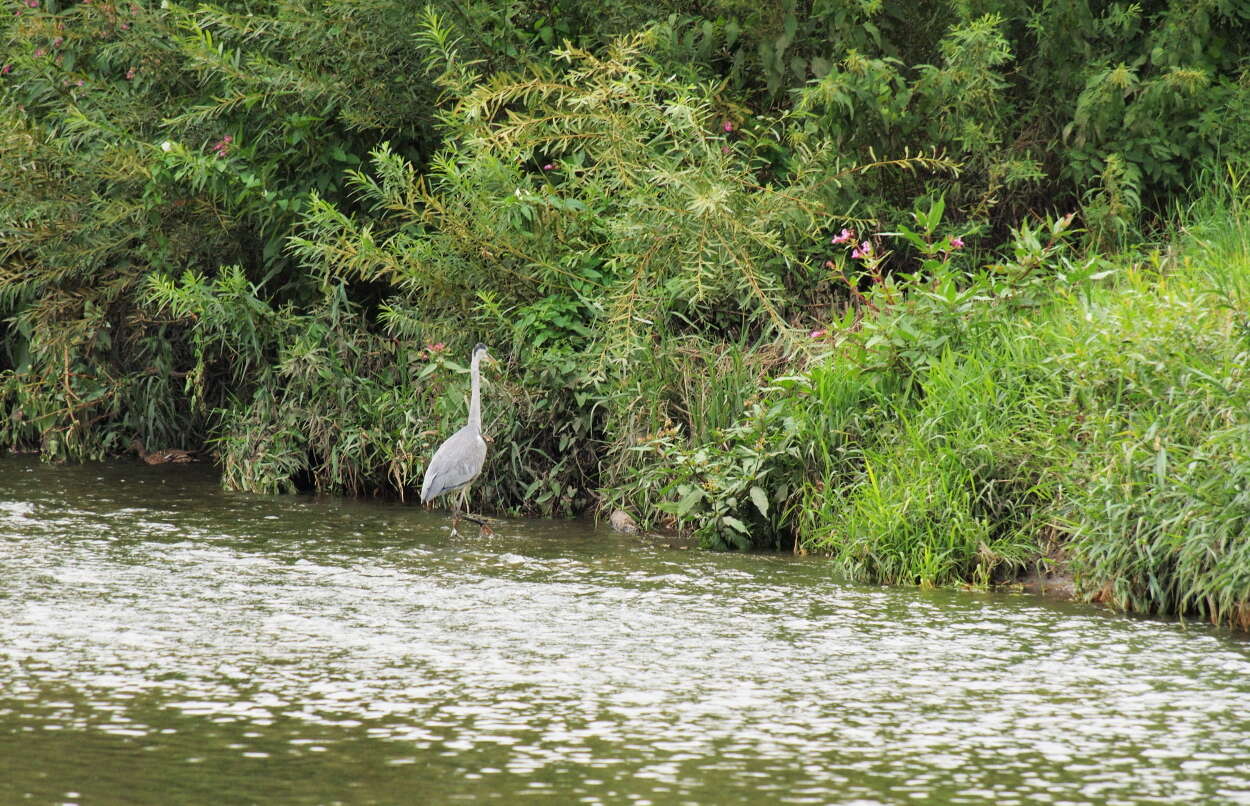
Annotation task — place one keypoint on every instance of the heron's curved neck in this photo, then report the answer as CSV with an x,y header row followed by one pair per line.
x,y
475,399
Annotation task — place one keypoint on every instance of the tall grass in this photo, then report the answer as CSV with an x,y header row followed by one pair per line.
x,y
1083,410
950,485
1116,415
1163,524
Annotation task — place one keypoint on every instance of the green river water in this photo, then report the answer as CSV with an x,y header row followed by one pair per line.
x,y
163,642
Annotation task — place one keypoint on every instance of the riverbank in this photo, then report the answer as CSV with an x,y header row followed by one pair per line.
x,y
1092,420
1071,423
874,298
1106,426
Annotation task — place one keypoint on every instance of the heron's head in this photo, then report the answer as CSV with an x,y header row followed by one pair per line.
x,y
480,353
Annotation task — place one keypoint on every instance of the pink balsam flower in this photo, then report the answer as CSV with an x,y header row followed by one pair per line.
x,y
844,236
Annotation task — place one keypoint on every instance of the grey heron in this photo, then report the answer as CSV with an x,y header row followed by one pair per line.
x,y
459,460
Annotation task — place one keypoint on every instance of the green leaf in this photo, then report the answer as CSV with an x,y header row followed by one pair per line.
x,y
761,500
688,501
735,524
936,209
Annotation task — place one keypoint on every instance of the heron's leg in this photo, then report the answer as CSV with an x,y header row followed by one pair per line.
x,y
483,527
455,516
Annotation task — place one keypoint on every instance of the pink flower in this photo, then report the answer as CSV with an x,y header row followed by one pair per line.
x,y
125,26
728,126
864,250
549,166
38,52
957,242
438,347
79,83
32,3
4,71
829,264
724,149
56,43
818,334
130,74
844,236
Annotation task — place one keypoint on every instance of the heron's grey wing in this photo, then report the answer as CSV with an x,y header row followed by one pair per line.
x,y
456,463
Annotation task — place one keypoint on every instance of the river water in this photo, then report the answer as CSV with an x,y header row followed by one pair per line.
x,y
164,642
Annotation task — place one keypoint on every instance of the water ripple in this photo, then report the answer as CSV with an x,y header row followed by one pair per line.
x,y
318,651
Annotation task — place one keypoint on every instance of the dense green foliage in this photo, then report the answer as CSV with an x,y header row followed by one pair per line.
x,y
1094,414
275,229
1163,522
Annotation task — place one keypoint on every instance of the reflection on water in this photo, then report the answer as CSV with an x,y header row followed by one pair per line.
x,y
161,641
